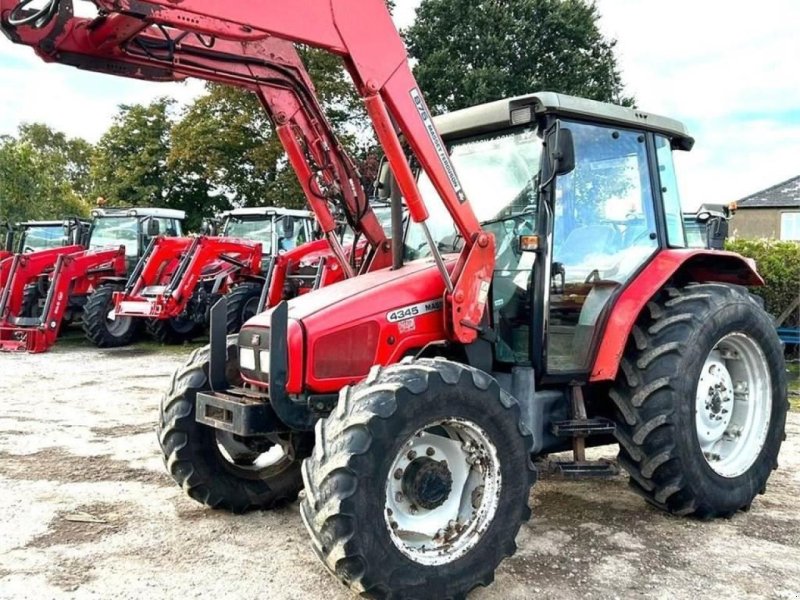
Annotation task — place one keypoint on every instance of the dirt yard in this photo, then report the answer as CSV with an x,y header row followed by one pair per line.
x,y
87,511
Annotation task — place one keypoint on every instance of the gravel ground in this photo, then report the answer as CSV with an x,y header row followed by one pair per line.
x,y
87,511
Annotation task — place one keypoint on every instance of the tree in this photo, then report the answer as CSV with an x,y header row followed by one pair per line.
x,y
475,51
130,164
42,174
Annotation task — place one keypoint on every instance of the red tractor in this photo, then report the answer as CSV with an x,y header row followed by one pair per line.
x,y
49,287
542,300
177,280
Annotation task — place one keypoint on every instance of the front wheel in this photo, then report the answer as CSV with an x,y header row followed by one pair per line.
x,y
419,481
217,468
701,401
172,331
101,326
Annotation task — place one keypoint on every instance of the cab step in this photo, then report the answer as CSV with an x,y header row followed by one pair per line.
x,y
599,469
584,427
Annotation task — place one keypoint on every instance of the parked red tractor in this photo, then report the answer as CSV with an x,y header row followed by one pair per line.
x,y
46,288
548,303
177,280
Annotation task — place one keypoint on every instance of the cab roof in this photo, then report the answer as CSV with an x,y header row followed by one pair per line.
x,y
492,116
160,213
267,211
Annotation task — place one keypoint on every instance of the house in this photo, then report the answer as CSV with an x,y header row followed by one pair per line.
x,y
773,213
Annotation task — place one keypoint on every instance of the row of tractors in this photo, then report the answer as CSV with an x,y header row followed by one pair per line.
x,y
130,270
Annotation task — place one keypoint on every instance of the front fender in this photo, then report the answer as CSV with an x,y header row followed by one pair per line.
x,y
697,265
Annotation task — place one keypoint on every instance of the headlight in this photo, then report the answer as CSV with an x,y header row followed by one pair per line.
x,y
263,361
247,358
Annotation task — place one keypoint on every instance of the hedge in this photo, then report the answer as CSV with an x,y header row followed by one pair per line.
x,y
779,264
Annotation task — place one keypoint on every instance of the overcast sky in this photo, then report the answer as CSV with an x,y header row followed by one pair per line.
x,y
730,71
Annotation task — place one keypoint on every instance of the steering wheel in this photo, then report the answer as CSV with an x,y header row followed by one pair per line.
x,y
28,249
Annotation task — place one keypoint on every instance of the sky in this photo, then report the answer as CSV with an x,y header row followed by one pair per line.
x,y
729,72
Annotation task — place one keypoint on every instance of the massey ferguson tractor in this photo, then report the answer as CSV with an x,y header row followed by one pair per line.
x,y
48,288
542,300
177,280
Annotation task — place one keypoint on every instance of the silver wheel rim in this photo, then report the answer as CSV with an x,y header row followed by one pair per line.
x,y
446,532
116,325
733,405
242,457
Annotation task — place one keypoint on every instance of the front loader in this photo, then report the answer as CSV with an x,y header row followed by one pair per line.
x,y
543,299
177,280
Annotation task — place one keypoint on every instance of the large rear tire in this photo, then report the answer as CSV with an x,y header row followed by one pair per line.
x,y
419,481
701,401
100,329
214,467
242,304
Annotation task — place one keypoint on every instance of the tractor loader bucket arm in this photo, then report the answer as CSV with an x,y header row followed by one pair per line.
x,y
271,68
168,273
376,59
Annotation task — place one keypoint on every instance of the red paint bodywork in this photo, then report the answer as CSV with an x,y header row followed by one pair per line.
x,y
696,265
71,271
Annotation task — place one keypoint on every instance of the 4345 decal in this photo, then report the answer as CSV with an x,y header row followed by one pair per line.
x,y
415,310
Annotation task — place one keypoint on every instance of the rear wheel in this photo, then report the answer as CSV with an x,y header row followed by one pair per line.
x,y
701,401
217,468
172,331
419,481
101,326
242,305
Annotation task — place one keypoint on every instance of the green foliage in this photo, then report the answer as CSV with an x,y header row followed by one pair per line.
x,y
43,175
779,264
475,51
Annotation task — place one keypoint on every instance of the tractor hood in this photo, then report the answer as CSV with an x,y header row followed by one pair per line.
x,y
335,334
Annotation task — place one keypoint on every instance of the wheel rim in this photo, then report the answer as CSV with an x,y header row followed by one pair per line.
x,y
442,491
250,463
116,325
733,405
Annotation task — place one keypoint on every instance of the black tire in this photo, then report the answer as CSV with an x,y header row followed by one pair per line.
x,y
242,304
193,457
345,477
98,329
656,407
172,331
31,296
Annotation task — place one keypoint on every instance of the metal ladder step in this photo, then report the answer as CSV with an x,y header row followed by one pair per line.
x,y
584,427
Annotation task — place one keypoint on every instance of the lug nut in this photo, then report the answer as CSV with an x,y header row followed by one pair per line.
x,y
398,497
393,525
430,451
398,473
411,455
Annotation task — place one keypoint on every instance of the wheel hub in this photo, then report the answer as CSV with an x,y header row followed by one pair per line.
x,y
732,405
427,482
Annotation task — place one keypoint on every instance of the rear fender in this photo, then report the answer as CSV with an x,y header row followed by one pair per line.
x,y
680,266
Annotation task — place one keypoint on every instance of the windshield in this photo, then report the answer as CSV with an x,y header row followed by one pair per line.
x,y
497,172
43,237
257,229
116,231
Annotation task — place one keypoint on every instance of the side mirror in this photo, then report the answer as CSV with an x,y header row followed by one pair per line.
x,y
153,228
563,155
208,227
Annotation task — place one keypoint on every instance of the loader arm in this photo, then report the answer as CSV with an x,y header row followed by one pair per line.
x,y
375,57
168,273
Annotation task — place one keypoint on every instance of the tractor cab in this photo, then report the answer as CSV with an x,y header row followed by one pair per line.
x,y
31,236
133,228
278,229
